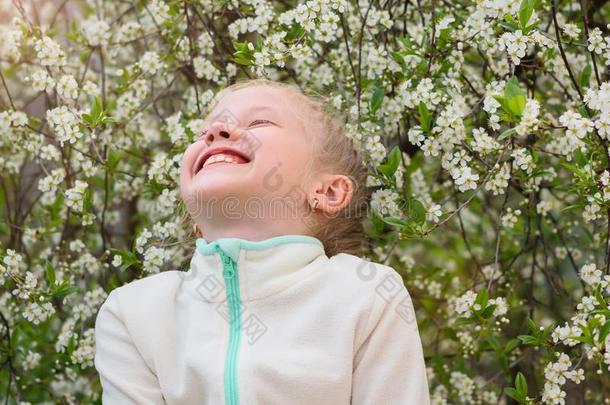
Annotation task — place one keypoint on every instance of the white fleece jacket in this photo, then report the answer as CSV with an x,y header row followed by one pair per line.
x,y
272,322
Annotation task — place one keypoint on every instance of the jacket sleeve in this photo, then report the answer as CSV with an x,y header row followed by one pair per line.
x,y
389,365
124,376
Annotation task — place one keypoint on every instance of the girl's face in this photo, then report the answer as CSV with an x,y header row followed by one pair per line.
x,y
261,124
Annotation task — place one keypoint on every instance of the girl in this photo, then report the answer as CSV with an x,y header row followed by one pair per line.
x,y
276,307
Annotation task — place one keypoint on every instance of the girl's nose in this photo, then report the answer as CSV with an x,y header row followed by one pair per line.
x,y
219,130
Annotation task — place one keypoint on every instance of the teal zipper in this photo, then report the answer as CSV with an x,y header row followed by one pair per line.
x,y
229,273
229,250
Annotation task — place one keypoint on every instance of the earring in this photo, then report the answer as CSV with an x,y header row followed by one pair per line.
x,y
197,231
315,203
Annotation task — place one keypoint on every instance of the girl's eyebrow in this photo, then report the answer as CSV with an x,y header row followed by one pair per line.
x,y
260,108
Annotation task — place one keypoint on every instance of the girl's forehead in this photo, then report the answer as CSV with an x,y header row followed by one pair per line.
x,y
252,95
253,99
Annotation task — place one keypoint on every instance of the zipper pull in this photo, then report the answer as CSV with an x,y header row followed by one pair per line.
x,y
223,256
230,270
228,267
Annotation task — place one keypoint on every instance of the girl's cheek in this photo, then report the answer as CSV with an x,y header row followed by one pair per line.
x,y
189,155
192,149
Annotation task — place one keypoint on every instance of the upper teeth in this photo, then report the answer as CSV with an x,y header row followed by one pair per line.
x,y
220,157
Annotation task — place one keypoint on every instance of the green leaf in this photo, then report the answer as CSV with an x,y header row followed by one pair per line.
x,y
481,298
494,343
374,225
243,58
128,258
96,114
71,344
576,170
242,55
528,340
64,289
87,118
416,211
511,345
50,273
531,27
125,266
125,254
96,108
394,158
87,200
604,331
425,118
398,58
582,339
535,155
296,30
463,321
377,99
509,26
389,168
599,297
514,96
503,360
519,393
406,41
511,392
521,385
532,325
585,76
259,43
428,304
525,12
488,311
114,157
505,115
450,333
394,221
605,312
507,133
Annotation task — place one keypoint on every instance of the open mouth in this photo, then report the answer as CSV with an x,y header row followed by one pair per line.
x,y
219,157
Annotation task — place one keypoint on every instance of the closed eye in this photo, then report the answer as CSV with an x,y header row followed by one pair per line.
x,y
205,131
260,122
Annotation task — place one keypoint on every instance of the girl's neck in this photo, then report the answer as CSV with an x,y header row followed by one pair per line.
x,y
253,231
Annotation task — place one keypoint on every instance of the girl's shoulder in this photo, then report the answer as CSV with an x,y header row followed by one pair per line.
x,y
156,285
147,296
375,290
364,268
366,276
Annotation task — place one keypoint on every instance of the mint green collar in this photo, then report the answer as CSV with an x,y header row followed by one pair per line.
x,y
232,246
263,267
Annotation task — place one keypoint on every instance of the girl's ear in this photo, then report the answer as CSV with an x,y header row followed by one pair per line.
x,y
334,193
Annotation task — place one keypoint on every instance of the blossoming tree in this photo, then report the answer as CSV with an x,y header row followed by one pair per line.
x,y
485,125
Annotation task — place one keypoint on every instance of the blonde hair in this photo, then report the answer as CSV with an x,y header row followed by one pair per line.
x,y
334,152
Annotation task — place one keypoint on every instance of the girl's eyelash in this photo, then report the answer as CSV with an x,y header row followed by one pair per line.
x,y
205,131
260,121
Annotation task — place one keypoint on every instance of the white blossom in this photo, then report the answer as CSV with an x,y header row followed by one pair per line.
x,y
49,52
